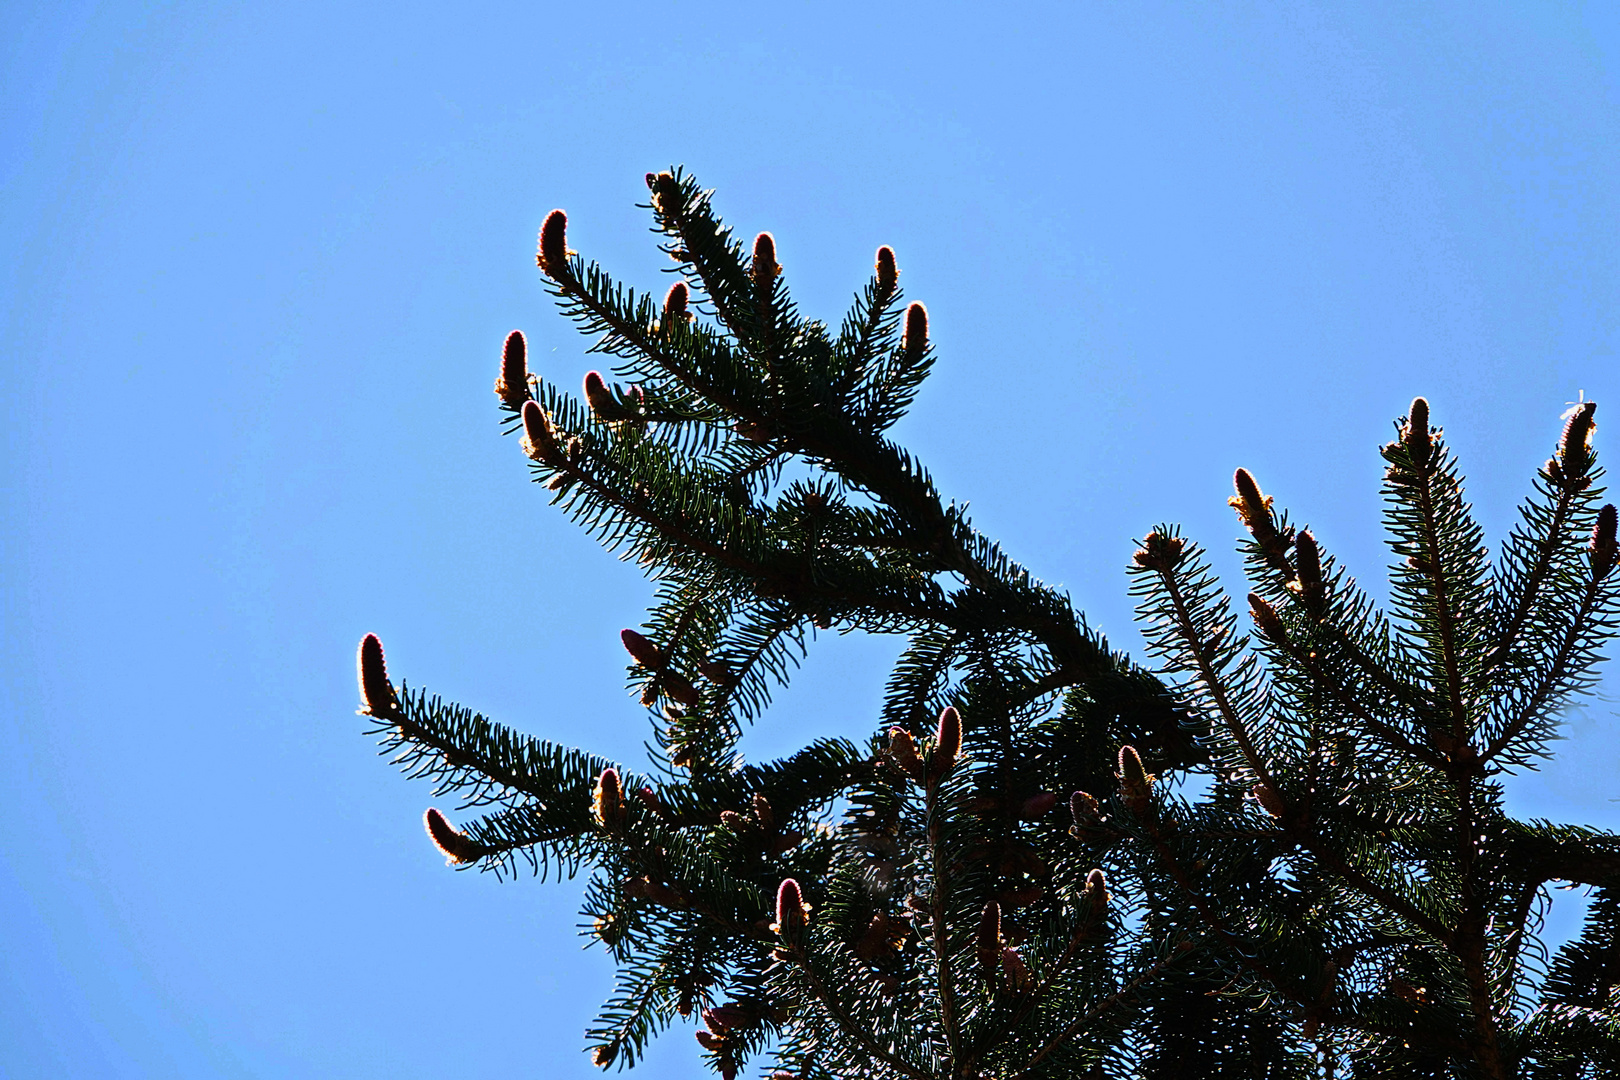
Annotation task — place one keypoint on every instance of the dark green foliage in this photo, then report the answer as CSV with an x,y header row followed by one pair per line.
x,y
1007,880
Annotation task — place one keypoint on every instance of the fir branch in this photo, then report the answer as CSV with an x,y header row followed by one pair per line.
x,y
1566,667
1112,1001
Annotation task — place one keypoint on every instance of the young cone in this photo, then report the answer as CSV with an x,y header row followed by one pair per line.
x,y
1160,552
763,812
553,253
791,910
1575,448
1603,543
888,275
764,268
1269,622
989,941
513,385
916,339
1417,437
1134,782
1095,896
540,438
607,801
1019,979
675,301
717,672
1308,564
458,847
604,406
1255,511
1253,507
643,651
947,742
376,693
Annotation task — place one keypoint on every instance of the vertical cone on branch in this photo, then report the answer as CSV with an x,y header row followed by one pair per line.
x,y
675,309
553,253
1095,896
888,275
947,742
376,693
1603,543
878,939
603,404
717,672
1417,437
1574,448
607,801
1134,781
539,437
791,910
916,339
989,941
1267,619
763,812
764,268
1019,979
666,194
1308,565
1253,508
513,385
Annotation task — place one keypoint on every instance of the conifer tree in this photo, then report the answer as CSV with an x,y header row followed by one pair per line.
x,y
1005,880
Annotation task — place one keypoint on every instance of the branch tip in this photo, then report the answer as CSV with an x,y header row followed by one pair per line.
x,y
376,693
553,253
513,385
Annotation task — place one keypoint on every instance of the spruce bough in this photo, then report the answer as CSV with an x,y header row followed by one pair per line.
x,y
1001,883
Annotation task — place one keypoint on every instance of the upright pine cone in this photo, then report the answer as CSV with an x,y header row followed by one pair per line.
x,y
376,693
916,339
1418,439
791,910
553,253
947,742
607,801
888,275
1135,784
513,384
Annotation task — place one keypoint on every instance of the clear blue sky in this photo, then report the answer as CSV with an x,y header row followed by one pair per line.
x,y
257,264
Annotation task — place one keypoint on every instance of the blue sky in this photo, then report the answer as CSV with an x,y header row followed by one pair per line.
x,y
257,264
